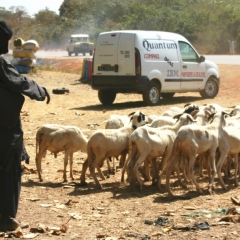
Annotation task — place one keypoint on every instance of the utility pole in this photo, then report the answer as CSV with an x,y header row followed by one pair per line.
x,y
231,46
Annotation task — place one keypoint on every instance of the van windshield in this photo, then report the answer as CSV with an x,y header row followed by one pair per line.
x,y
79,39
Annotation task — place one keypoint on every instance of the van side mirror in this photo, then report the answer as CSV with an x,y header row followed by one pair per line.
x,y
201,59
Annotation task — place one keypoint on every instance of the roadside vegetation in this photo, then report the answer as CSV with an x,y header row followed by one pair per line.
x,y
208,24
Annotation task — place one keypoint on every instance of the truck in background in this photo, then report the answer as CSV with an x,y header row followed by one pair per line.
x,y
79,43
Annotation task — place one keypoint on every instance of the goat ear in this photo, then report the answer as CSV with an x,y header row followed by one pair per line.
x,y
232,112
207,112
211,116
225,114
177,116
189,116
131,114
187,104
193,113
131,119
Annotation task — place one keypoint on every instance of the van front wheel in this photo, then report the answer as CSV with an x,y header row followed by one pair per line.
x,y
152,95
211,89
106,97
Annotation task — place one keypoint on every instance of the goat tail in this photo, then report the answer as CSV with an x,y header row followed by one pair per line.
x,y
90,153
38,140
175,156
124,169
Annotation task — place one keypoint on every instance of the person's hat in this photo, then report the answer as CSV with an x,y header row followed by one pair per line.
x,y
5,36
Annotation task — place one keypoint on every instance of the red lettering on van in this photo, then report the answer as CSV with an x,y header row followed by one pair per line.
x,y
151,56
193,74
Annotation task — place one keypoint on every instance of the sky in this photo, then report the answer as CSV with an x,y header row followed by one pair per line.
x,y
33,6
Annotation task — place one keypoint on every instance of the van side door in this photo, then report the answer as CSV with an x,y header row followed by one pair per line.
x,y
169,65
192,71
160,60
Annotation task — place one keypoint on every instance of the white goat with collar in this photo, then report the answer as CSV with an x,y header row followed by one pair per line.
x,y
107,143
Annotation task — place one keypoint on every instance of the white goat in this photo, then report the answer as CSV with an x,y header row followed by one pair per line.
x,y
57,138
229,144
161,121
152,117
173,111
117,121
147,143
107,143
192,140
201,118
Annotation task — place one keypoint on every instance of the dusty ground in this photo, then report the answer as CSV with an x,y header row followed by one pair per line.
x,y
116,212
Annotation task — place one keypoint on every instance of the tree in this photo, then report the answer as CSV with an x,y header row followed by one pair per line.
x,y
45,22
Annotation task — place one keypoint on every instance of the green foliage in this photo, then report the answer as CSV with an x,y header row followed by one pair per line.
x,y
208,24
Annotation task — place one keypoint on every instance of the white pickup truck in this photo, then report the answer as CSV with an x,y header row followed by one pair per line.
x,y
79,43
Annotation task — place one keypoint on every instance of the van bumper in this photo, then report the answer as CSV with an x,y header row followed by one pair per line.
x,y
120,84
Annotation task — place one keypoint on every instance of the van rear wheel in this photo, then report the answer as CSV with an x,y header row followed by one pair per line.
x,y
152,95
106,97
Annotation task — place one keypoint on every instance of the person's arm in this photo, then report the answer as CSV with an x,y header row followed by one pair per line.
x,y
16,82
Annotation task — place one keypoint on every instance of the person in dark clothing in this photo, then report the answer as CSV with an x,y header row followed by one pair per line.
x,y
12,149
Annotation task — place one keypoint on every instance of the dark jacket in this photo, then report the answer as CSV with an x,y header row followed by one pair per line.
x,y
12,149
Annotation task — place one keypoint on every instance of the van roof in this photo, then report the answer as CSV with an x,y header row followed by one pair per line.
x,y
79,35
150,34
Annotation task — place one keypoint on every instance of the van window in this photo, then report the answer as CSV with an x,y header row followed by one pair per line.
x,y
187,52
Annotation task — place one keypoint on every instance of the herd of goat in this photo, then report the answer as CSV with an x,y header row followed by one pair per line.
x,y
171,142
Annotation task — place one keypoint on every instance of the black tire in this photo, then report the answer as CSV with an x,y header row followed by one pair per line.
x,y
211,89
168,95
75,52
69,53
106,97
90,52
152,95
60,90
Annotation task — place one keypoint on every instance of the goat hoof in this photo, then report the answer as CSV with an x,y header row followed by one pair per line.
x,y
209,191
170,194
154,184
184,186
83,184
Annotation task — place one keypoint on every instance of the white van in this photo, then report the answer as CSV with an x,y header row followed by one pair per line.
x,y
152,63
